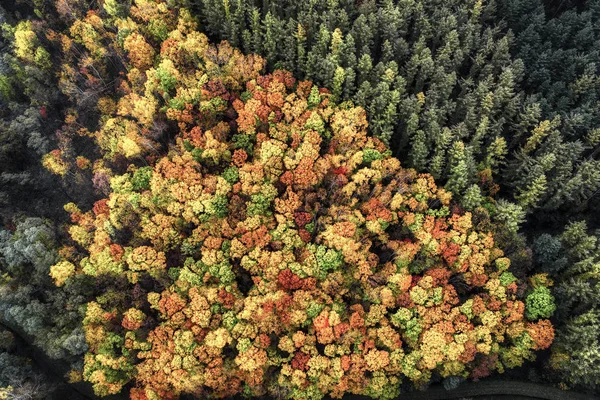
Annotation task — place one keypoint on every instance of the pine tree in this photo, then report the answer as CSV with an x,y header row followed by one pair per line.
x,y
273,33
530,195
290,47
472,198
459,177
510,214
576,352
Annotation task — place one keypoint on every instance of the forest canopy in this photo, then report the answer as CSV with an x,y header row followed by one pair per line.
x,y
218,198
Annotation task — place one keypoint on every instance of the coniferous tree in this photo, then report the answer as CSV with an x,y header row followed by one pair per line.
x,y
434,73
574,259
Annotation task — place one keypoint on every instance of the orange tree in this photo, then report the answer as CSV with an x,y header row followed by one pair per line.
x,y
276,247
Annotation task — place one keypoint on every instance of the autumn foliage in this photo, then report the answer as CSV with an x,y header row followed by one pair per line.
x,y
276,247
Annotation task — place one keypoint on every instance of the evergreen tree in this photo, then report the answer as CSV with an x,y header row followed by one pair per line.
x,y
574,259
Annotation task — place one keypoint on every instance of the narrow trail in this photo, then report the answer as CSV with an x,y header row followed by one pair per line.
x,y
493,390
